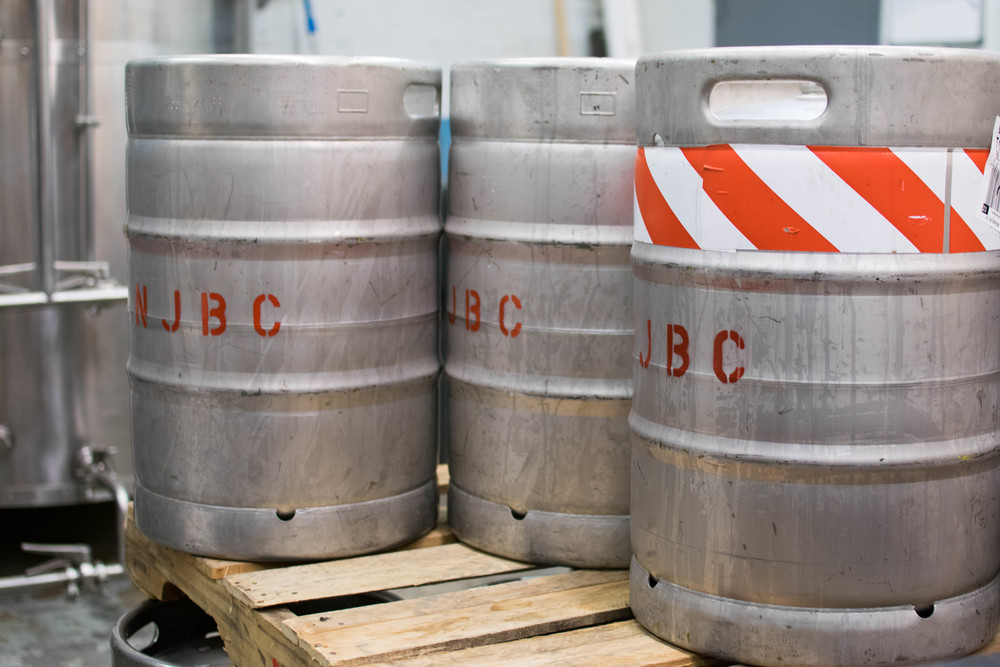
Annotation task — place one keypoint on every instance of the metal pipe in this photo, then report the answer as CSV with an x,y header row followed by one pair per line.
x,y
46,181
98,296
70,575
85,122
110,480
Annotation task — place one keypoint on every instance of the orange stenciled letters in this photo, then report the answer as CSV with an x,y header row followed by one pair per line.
x,y
177,314
678,348
471,310
218,312
720,339
257,303
451,315
644,362
503,304
141,305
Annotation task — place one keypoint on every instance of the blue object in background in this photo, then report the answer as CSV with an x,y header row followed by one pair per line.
x,y
310,22
444,140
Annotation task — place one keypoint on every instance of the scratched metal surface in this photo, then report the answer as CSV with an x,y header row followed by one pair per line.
x,y
283,236
816,458
538,326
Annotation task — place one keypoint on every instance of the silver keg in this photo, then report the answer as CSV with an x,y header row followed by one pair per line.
x,y
283,242
817,363
538,322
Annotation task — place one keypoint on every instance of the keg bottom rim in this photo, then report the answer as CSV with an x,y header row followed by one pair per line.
x,y
763,634
313,533
537,536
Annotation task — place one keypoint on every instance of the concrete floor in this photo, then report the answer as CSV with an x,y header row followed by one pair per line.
x,y
42,626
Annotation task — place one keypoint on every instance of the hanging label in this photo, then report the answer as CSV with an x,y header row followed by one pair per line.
x,y
989,196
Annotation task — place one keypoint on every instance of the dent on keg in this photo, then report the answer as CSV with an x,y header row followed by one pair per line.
x,y
539,310
817,360
283,232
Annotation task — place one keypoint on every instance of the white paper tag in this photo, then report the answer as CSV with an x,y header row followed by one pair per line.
x,y
989,194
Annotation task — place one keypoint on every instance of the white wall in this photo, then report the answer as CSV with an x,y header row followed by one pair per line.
x,y
932,22
677,24
439,31
991,25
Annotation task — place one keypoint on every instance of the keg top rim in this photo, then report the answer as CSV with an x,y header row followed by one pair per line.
x,y
902,52
547,62
280,60
282,96
548,99
875,96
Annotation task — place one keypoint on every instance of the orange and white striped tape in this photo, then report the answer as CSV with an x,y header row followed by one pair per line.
x,y
812,198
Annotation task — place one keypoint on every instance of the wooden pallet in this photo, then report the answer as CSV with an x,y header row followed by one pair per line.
x,y
576,617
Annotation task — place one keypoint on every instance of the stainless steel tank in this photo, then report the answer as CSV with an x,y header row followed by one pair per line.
x,y
61,392
283,244
539,310
817,361
64,419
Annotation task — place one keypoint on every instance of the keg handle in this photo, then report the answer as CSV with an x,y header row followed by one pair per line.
x,y
800,66
692,122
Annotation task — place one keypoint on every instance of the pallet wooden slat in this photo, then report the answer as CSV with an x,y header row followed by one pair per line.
x,y
464,618
216,568
364,574
440,534
313,624
620,644
447,627
443,478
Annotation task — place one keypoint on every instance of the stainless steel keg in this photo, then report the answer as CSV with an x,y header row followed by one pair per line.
x,y
283,234
817,361
539,310
182,634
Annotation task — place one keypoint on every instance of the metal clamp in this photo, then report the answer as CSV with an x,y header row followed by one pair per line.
x,y
72,565
65,555
82,274
68,559
91,462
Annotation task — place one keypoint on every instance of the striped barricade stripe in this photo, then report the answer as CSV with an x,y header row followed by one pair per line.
x,y
812,198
